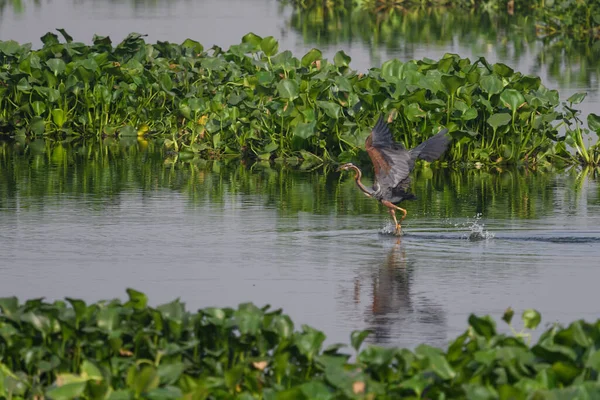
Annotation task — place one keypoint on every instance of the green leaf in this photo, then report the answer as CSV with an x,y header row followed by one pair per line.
x,y
90,371
137,300
56,65
310,57
192,44
68,38
38,107
437,361
498,120
146,379
288,89
531,318
269,46
253,39
358,337
341,59
67,391
391,70
23,85
509,312
37,126
491,84
484,326
9,306
248,319
576,98
58,117
170,373
332,109
593,121
503,70
512,98
305,130
453,82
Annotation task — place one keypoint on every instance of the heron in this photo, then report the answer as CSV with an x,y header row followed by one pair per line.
x,y
392,164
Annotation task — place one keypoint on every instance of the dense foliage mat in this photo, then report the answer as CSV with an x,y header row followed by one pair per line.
x,y
65,350
253,101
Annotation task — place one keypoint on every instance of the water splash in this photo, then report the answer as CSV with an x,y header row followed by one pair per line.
x,y
390,229
477,230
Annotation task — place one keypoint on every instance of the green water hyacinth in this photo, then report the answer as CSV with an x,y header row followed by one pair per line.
x,y
114,350
253,101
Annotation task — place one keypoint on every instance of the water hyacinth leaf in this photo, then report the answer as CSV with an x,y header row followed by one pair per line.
x,y
332,109
309,342
343,84
452,82
377,356
414,113
23,85
49,39
108,319
288,89
503,70
56,65
498,120
169,392
9,47
437,361
58,117
531,318
253,39
512,98
248,318
577,98
358,337
491,84
145,379
593,121
269,46
170,373
508,315
305,130
391,70
37,125
310,57
341,59
68,38
9,305
90,371
192,44
67,391
38,107
484,326
137,300
315,390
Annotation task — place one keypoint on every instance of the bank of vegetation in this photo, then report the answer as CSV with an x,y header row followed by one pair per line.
x,y
580,19
113,350
254,101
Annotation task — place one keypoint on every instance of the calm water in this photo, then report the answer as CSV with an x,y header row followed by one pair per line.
x,y
309,242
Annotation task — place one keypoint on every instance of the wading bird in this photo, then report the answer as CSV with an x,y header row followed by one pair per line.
x,y
393,164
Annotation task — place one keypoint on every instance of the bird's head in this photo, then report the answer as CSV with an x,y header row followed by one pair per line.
x,y
346,167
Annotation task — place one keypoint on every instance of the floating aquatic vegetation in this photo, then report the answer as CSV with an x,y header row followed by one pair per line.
x,y
112,349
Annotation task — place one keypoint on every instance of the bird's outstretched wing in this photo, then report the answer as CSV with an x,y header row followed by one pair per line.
x,y
432,148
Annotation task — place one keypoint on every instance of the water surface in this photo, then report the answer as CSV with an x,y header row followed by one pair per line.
x,y
218,234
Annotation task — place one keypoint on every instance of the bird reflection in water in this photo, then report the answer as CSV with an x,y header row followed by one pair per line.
x,y
395,314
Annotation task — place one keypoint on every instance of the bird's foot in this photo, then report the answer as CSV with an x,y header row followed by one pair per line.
x,y
398,231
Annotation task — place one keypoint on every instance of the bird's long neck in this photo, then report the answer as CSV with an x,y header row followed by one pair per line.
x,y
357,178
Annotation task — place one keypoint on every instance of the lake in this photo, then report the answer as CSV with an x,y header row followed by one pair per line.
x,y
90,224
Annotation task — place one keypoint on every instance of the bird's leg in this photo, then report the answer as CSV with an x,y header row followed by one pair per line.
x,y
392,207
